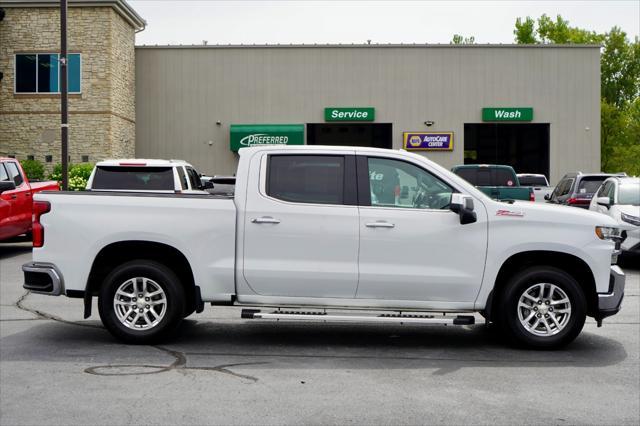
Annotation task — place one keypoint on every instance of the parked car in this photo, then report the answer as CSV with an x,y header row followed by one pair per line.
x,y
311,228
16,198
497,181
538,183
619,198
577,189
143,175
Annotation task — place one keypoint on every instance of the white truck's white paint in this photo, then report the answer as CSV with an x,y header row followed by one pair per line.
x,y
323,255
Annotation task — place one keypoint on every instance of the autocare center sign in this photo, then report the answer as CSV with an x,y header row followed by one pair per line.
x,y
246,135
428,141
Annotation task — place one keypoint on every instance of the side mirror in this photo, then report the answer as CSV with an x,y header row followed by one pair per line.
x,y
547,197
207,185
7,186
463,205
603,201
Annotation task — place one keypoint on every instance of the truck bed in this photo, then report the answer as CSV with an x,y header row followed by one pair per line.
x,y
201,227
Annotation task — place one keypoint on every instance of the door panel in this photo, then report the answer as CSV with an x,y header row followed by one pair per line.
x,y
412,247
300,239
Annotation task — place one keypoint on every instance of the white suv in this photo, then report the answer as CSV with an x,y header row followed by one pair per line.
x,y
619,198
141,175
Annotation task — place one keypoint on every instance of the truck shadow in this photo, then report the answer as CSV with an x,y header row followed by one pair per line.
x,y
213,347
14,247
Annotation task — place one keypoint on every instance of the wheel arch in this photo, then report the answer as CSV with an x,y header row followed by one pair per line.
x,y
566,262
120,252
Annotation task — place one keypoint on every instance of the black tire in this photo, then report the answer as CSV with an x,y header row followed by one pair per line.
x,y
508,318
163,277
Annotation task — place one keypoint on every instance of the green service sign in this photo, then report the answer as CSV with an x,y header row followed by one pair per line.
x,y
350,114
507,114
245,135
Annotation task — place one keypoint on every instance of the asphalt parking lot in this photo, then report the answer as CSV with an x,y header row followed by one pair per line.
x,y
56,368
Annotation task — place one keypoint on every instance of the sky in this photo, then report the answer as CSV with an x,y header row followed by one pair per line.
x,y
285,22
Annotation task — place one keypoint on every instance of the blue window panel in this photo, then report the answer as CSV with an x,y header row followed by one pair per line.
x,y
73,72
26,73
48,73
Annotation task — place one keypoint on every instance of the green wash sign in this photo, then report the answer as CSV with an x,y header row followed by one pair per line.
x,y
507,114
350,114
246,135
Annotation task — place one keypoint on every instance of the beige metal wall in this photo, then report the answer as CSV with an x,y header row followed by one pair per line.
x,y
181,92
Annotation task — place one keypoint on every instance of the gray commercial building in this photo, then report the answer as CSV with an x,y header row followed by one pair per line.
x,y
536,108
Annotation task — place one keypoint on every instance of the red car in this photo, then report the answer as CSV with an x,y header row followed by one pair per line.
x,y
16,198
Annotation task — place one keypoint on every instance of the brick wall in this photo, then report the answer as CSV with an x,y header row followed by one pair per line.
x,y
102,118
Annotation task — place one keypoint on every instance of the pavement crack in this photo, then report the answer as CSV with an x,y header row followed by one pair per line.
x,y
179,364
48,316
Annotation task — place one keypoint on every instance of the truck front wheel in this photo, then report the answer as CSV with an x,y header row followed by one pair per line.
x,y
141,302
542,307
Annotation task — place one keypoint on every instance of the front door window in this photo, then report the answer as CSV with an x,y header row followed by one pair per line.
x,y
396,183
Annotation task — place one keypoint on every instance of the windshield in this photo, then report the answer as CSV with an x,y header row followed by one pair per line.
x,y
134,178
629,194
532,181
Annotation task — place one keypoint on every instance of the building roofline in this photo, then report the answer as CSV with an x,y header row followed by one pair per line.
x,y
120,6
368,46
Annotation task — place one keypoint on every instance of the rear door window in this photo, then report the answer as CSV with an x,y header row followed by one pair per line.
x,y
183,178
317,179
134,178
194,178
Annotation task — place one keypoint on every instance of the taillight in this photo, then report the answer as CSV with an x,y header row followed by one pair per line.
x,y
532,196
39,208
579,201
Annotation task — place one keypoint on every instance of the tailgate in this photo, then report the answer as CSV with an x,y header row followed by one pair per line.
x,y
51,185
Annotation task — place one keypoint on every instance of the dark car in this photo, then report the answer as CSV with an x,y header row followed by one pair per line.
x,y
577,189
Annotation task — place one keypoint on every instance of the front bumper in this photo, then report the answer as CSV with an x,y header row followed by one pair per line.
x,y
43,278
609,303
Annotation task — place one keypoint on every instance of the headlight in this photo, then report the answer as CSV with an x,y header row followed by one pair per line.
x,y
608,233
634,220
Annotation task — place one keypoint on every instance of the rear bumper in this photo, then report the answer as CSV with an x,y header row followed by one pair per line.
x,y
609,303
43,278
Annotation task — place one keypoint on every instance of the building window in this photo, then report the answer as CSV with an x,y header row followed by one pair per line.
x,y
85,158
48,158
40,73
30,157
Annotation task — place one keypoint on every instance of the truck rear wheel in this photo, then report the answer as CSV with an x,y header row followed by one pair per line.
x,y
542,307
141,302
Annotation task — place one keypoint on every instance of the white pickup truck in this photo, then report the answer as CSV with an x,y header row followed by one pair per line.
x,y
329,234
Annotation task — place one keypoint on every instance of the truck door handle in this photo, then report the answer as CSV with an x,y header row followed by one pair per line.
x,y
380,225
265,219
13,196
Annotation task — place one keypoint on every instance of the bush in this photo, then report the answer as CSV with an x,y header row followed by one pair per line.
x,y
78,175
33,169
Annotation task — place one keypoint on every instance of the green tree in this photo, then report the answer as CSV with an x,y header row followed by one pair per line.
x,y
33,169
525,31
458,39
620,84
